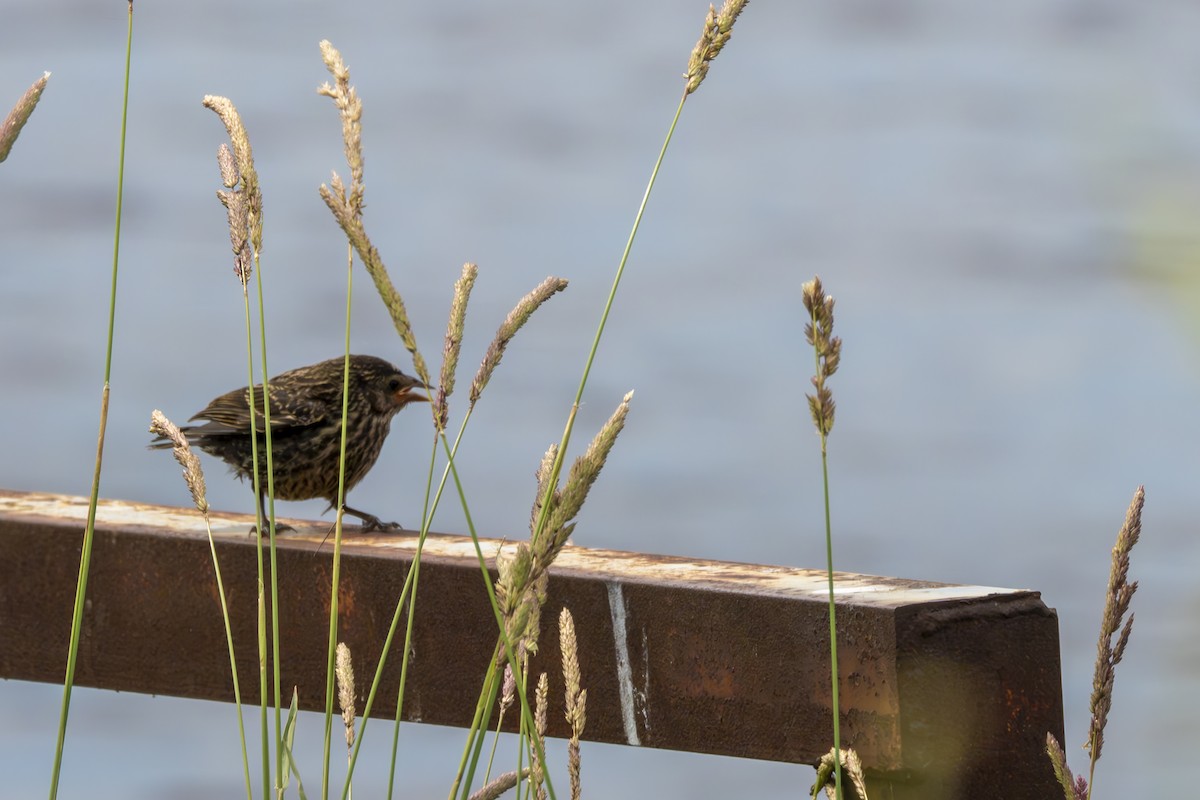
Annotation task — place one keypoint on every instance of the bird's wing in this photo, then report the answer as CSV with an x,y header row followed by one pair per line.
x,y
231,411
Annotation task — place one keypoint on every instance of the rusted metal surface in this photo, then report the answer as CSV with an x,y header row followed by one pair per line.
x,y
947,691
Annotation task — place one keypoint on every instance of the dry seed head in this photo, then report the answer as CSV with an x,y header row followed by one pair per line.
x,y
349,106
344,671
569,646
351,224
10,129
453,345
827,348
237,213
225,162
583,474
515,575
718,27
244,157
577,717
499,785
576,698
347,209
1058,760
508,329
532,601
541,699
516,623
545,469
853,766
508,691
1118,598
822,409
541,703
851,769
578,713
193,475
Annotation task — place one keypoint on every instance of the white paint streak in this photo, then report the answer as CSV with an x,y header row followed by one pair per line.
x,y
616,608
644,694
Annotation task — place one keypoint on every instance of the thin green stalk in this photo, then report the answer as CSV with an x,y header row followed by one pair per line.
x,y
487,774
827,350
475,742
280,775
526,714
89,534
337,540
333,627
408,594
526,734
569,427
1091,766
487,696
612,294
833,653
509,651
261,621
237,691
244,207
262,654
193,476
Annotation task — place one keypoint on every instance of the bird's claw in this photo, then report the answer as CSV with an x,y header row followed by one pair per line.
x,y
280,527
372,523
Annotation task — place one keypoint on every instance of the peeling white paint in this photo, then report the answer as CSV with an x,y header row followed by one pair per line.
x,y
616,608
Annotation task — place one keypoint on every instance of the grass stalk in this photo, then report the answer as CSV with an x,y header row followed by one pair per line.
x,y
193,475
827,350
717,30
243,203
276,657
346,208
89,534
261,639
331,653
1116,620
345,682
569,427
269,521
504,644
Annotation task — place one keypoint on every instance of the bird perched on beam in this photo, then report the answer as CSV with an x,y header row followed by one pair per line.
x,y
306,417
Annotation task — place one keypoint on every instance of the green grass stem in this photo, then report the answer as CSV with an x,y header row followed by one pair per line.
x,y
337,540
833,652
237,691
280,774
89,534
552,483
826,356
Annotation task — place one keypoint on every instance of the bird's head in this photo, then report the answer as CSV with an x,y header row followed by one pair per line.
x,y
402,390
387,388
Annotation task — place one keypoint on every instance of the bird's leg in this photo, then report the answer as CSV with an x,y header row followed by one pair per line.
x,y
262,507
370,522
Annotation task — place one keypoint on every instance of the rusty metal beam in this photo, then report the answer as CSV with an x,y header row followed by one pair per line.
x,y
947,691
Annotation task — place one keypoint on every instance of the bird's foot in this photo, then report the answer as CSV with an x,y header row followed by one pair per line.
x,y
280,527
370,522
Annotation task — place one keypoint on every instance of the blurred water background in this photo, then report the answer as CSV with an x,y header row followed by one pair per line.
x,y
1003,198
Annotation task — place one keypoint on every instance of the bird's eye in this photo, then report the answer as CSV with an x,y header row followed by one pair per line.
x,y
393,384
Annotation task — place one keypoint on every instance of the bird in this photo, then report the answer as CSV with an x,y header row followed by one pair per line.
x,y
306,421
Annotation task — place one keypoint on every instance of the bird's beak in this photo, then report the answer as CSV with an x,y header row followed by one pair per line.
x,y
409,394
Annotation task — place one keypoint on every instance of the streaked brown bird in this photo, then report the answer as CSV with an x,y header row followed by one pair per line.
x,y
306,417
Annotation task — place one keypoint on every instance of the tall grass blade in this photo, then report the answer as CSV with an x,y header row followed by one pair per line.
x,y
89,534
